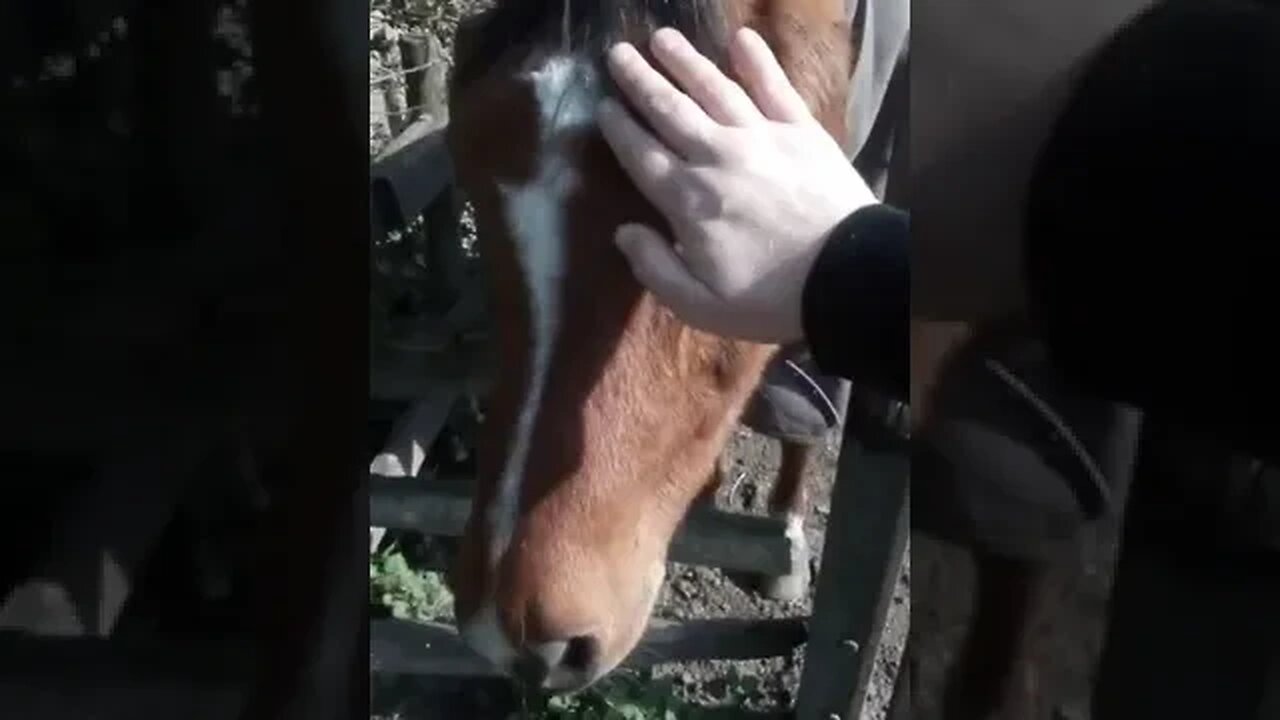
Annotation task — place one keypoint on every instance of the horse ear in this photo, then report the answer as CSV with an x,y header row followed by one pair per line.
x,y
482,38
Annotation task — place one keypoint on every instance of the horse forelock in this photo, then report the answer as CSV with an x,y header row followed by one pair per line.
x,y
584,28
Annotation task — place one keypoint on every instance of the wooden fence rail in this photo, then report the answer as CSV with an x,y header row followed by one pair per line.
x,y
404,647
861,560
862,556
739,542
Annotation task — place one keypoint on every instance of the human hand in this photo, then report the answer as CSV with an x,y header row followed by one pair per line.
x,y
749,181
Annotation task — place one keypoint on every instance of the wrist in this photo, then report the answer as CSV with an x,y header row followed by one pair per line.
x,y
857,292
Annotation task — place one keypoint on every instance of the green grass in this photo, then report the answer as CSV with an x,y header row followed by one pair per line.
x,y
408,593
630,696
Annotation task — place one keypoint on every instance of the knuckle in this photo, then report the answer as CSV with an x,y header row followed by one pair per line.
x,y
694,202
707,78
724,145
703,196
654,165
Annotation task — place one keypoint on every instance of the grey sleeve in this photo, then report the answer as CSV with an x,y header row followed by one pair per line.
x,y
877,104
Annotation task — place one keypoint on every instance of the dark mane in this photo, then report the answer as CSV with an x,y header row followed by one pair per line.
x,y
532,26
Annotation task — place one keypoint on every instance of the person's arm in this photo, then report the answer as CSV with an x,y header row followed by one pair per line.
x,y
1151,224
1186,333
856,302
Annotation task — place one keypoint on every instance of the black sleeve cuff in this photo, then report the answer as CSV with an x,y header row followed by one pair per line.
x,y
855,307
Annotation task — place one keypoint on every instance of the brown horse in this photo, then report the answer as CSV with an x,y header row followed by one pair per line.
x,y
608,413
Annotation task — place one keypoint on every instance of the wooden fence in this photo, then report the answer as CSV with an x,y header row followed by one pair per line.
x,y
434,364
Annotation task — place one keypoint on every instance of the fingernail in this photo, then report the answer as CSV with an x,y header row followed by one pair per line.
x,y
617,54
666,38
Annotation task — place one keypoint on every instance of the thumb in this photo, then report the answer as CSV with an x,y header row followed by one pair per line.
x,y
659,269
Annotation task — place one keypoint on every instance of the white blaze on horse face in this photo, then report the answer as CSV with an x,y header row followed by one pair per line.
x,y
566,93
566,90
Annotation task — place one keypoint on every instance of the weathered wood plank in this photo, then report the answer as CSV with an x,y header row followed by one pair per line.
x,y
105,538
412,171
900,702
399,646
411,436
403,374
861,558
132,655
406,448
426,84
461,327
718,638
122,678
47,698
732,541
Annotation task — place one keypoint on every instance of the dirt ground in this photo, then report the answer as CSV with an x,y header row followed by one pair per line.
x,y
934,593
933,599
942,587
750,465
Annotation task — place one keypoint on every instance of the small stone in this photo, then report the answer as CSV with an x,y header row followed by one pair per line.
x,y
60,66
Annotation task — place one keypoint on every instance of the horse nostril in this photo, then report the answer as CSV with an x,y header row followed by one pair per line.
x,y
563,663
577,656
581,653
532,667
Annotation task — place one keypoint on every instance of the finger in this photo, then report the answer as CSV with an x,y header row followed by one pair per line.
x,y
766,83
674,116
723,99
657,267
650,164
